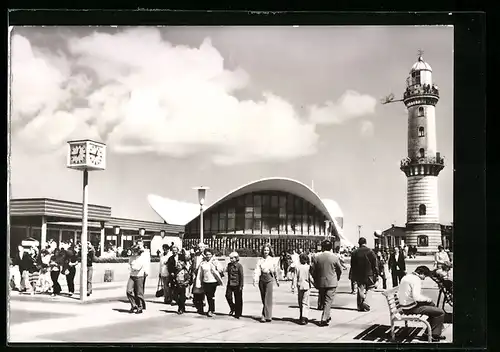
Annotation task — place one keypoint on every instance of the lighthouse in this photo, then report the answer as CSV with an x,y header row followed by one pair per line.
x,y
423,162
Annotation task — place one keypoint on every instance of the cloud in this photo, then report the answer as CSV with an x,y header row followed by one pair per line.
x,y
349,106
367,128
141,94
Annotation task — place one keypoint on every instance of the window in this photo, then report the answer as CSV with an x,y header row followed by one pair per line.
x,y
423,241
422,209
422,152
421,131
420,111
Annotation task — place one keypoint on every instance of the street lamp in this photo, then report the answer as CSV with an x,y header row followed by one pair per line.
x,y
201,199
162,234
359,231
85,155
142,231
327,228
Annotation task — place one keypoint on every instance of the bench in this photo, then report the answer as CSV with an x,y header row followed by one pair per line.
x,y
396,313
445,290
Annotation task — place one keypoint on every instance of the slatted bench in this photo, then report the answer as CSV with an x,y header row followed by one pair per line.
x,y
396,313
443,291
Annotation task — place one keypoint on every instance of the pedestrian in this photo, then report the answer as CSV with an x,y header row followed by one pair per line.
x,y
412,301
56,263
234,287
135,284
33,268
364,272
295,261
381,269
45,283
304,282
209,277
441,258
283,266
198,294
164,274
180,282
397,266
147,266
326,272
70,262
264,275
171,268
18,270
91,257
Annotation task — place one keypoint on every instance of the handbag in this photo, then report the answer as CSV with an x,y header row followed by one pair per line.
x,y
160,290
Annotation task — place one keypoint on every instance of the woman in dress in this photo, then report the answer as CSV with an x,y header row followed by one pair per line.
x,y
33,268
209,277
264,275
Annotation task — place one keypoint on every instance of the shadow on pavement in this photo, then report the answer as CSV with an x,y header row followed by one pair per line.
x,y
382,333
345,308
120,310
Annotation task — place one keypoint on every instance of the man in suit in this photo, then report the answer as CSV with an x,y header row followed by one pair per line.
x,y
326,271
397,266
364,271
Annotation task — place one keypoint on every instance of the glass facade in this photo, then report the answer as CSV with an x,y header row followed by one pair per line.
x,y
262,213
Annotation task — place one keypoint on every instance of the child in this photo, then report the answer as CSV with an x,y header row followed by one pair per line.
x,y
181,281
235,285
303,288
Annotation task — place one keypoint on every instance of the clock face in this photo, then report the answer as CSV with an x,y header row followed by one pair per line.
x,y
96,154
77,154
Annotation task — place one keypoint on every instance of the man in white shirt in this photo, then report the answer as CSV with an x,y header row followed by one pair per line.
x,y
293,268
413,301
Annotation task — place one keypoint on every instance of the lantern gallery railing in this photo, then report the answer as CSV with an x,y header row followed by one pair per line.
x,y
425,160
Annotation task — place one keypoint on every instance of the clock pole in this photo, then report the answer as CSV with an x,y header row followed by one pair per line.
x,y
84,250
83,156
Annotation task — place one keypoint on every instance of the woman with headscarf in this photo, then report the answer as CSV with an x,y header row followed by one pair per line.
x,y
209,277
264,275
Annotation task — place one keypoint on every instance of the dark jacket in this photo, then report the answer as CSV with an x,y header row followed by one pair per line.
x,y
400,265
171,264
326,270
235,274
364,267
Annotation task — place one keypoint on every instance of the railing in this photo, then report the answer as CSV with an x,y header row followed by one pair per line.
x,y
419,89
426,160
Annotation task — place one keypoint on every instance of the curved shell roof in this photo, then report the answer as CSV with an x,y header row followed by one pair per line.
x,y
180,213
421,65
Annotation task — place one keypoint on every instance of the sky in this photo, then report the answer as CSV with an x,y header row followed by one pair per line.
x,y
180,107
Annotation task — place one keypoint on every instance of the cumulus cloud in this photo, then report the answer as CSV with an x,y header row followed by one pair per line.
x,y
367,128
141,94
349,106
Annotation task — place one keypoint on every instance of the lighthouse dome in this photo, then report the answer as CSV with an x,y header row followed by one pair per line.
x,y
421,65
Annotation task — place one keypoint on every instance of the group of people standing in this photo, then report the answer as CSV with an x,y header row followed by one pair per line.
x,y
38,271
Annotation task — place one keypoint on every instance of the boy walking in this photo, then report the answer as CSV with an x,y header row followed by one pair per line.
x,y
303,288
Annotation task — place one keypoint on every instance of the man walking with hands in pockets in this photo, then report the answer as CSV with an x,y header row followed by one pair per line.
x,y
326,271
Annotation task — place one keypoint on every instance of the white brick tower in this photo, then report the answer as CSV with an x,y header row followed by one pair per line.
x,y
423,163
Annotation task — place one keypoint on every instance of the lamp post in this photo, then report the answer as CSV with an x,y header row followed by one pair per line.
x,y
85,155
327,229
117,232
359,231
202,191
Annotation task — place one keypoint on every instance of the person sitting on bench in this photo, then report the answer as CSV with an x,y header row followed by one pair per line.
x,y
412,301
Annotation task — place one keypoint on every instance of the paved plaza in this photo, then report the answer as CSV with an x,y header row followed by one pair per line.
x,y
105,319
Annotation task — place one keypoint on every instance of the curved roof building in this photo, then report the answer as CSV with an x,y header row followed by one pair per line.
x,y
276,209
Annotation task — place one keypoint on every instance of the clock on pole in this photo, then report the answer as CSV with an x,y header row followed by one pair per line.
x,y
85,155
